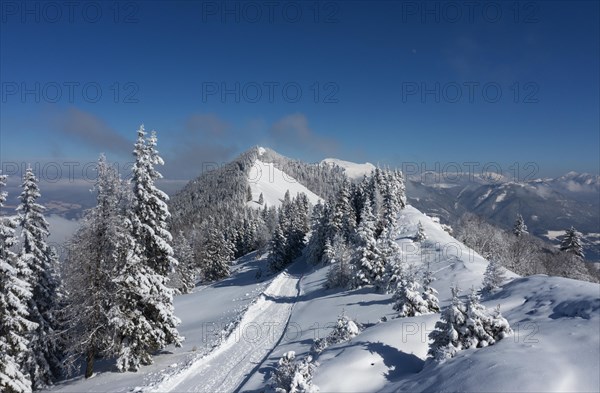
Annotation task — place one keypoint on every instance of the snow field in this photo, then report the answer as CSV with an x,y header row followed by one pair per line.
x,y
265,178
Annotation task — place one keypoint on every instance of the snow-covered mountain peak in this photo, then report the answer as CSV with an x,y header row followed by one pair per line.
x,y
272,183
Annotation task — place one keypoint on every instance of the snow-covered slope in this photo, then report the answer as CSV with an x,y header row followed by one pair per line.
x,y
273,183
554,346
353,170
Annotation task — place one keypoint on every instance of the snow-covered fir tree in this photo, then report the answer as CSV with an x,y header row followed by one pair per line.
x,y
390,256
94,254
464,326
484,329
408,300
429,292
150,209
338,256
292,376
343,217
215,253
345,329
261,199
278,252
367,263
493,276
43,363
15,294
520,228
571,243
447,338
143,314
318,240
183,279
420,236
289,236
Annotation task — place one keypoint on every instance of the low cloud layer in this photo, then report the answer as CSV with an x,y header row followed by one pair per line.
x,y
293,131
92,131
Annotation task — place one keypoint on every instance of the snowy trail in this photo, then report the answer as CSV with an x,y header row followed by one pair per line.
x,y
225,368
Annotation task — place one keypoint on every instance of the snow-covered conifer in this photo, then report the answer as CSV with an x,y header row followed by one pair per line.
x,y
292,376
15,294
447,338
344,330
143,314
338,256
420,236
429,292
408,300
367,262
43,364
261,199
520,228
278,254
94,255
571,243
390,256
183,279
493,276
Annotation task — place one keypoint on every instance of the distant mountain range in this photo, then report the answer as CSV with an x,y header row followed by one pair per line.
x,y
548,205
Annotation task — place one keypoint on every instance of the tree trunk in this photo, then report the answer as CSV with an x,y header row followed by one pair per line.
x,y
89,369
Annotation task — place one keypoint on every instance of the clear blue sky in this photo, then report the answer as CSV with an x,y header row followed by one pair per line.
x,y
376,66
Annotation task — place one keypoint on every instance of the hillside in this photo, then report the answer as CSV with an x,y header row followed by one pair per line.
x,y
553,348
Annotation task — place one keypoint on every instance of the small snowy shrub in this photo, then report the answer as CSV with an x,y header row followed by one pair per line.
x,y
292,376
464,326
344,330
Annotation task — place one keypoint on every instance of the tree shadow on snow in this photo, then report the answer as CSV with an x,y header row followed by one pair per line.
x,y
399,363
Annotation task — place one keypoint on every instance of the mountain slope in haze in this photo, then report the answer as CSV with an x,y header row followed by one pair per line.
x,y
546,204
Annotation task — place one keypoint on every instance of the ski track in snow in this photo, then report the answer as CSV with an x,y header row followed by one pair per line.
x,y
259,331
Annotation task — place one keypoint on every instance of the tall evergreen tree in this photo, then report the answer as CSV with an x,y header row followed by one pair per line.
x,y
338,254
15,294
143,314
572,243
420,236
278,253
390,257
184,277
43,364
520,228
493,276
215,254
94,255
343,218
429,292
367,262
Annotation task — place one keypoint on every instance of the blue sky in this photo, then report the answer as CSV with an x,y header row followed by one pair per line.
x,y
368,74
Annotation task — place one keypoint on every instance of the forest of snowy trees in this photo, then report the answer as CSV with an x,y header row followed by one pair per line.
x,y
523,253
